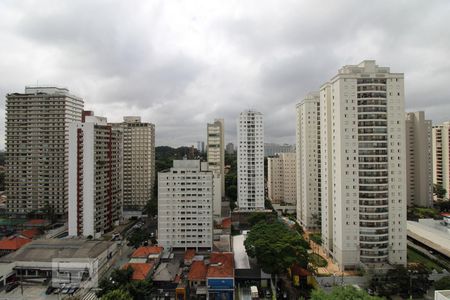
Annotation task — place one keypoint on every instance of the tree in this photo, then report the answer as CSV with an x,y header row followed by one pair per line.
x,y
117,294
276,247
231,192
119,278
343,293
439,191
151,207
257,217
138,236
443,283
402,281
140,290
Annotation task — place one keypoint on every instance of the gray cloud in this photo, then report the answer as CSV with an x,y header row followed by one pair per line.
x,y
181,64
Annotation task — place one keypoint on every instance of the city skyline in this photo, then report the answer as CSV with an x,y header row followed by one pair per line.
x,y
178,72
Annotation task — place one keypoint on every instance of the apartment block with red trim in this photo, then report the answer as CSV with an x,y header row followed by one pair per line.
x,y
95,176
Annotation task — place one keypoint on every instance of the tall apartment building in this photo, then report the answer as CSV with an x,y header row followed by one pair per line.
x,y
138,162
419,160
95,176
229,148
215,147
309,209
37,125
250,161
271,149
363,163
185,205
281,179
441,156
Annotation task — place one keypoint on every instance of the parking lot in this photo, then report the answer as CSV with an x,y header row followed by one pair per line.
x,y
29,293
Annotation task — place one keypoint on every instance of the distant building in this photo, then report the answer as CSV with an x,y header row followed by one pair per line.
x,y
185,205
419,160
215,148
271,149
250,161
95,176
230,148
309,212
281,179
37,123
138,162
201,146
441,156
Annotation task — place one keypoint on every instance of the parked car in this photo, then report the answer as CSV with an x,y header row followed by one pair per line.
x,y
49,290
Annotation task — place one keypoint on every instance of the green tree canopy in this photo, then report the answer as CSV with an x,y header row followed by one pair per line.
x,y
117,294
343,293
439,191
443,283
276,247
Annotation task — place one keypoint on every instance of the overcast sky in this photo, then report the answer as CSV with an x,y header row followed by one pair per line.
x,y
180,64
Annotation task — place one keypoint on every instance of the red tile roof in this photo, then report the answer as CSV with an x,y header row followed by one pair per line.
x,y
146,251
189,255
221,265
37,222
226,223
30,233
13,243
297,270
197,271
140,270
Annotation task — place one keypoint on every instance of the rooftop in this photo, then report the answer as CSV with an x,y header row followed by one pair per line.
x,y
45,250
30,233
147,251
431,233
197,271
13,243
167,271
189,255
140,270
221,265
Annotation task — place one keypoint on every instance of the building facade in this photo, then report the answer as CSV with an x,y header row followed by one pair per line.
x,y
250,161
271,149
419,158
281,179
215,148
363,166
138,162
441,155
230,148
185,205
37,125
95,176
309,209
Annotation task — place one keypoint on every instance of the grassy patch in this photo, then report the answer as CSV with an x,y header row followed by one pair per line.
x,y
318,260
416,257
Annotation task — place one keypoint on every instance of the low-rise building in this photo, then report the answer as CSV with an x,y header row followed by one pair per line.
x,y
11,244
147,254
220,276
141,271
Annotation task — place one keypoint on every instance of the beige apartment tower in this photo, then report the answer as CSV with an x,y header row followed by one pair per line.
x,y
363,163
281,180
215,148
419,160
138,162
308,162
441,156
37,126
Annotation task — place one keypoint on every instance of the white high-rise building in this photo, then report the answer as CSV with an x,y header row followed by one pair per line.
x,y
441,156
250,161
309,210
364,166
271,149
419,160
281,181
215,148
138,162
185,205
37,143
95,176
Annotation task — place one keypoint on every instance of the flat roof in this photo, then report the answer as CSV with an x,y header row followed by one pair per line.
x,y
241,260
431,235
45,250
